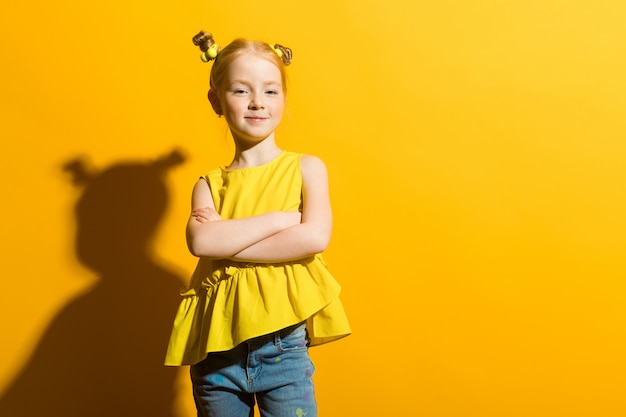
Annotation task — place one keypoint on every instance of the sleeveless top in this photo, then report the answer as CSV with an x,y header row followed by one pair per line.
x,y
229,302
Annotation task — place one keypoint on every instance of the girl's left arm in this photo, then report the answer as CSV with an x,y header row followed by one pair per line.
x,y
309,237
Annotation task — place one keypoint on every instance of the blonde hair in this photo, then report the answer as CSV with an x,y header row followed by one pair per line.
x,y
278,55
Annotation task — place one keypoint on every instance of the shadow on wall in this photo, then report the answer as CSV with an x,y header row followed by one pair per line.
x,y
103,354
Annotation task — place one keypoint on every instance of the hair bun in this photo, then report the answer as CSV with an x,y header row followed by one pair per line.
x,y
203,40
285,53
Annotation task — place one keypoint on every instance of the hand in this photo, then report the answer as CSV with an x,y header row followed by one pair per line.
x,y
205,214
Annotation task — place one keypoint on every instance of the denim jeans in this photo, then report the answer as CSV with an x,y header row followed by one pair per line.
x,y
274,369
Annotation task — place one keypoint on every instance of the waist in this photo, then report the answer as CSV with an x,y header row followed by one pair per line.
x,y
225,263
276,336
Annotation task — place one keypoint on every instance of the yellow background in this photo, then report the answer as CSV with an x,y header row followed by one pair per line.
x,y
477,161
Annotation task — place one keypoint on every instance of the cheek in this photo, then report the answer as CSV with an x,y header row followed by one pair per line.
x,y
279,106
234,106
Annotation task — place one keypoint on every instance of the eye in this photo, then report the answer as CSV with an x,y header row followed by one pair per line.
x,y
273,92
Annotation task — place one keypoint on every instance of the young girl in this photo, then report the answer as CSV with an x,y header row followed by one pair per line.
x,y
261,293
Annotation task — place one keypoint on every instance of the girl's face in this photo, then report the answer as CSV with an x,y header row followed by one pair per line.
x,y
252,99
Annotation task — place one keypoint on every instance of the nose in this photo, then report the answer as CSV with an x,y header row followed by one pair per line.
x,y
256,102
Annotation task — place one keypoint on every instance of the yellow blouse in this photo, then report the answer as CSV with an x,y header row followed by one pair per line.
x,y
230,302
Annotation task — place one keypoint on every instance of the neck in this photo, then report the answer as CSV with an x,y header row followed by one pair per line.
x,y
250,155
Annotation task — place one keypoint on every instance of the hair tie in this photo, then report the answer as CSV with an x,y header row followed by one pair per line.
x,y
206,43
283,53
210,54
210,49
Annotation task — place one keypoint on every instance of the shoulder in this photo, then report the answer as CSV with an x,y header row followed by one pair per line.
x,y
202,185
208,179
201,195
213,177
309,165
213,173
312,163
313,169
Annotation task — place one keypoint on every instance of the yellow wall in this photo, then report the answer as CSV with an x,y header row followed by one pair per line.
x,y
477,161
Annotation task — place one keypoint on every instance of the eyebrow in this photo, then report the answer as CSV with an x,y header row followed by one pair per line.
x,y
265,83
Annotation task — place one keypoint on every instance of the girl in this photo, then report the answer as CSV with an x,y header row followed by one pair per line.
x,y
261,293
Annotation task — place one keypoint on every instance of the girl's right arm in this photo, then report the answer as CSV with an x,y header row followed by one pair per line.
x,y
210,236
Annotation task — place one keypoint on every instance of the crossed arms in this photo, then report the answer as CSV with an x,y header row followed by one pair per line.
x,y
270,237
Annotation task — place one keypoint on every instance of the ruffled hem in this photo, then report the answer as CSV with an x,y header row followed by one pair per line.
x,y
238,302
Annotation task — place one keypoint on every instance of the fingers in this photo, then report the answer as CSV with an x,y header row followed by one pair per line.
x,y
205,214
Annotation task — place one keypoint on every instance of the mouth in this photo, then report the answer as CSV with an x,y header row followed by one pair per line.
x,y
256,119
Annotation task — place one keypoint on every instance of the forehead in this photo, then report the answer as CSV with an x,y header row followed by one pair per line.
x,y
251,67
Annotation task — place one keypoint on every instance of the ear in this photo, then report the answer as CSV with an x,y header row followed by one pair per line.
x,y
215,102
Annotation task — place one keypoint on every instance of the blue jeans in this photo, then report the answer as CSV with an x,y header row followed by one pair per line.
x,y
275,369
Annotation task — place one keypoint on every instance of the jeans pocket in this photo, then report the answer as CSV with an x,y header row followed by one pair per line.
x,y
296,340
